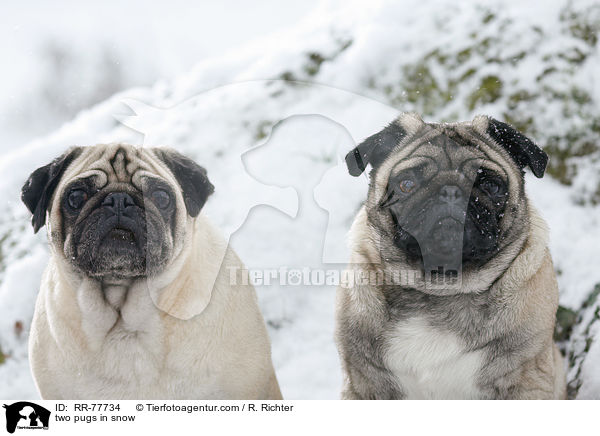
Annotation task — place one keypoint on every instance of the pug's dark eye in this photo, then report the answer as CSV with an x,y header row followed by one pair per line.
x,y
407,185
77,198
161,198
491,187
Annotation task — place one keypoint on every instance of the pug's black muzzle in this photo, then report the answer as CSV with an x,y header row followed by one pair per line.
x,y
447,230
112,238
122,221
436,227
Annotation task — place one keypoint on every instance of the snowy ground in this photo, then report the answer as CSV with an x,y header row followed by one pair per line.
x,y
271,123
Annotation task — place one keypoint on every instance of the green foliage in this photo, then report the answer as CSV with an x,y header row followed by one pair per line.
x,y
316,59
489,90
422,89
583,24
565,320
592,298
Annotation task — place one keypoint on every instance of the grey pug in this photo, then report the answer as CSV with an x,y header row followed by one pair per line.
x,y
454,293
136,300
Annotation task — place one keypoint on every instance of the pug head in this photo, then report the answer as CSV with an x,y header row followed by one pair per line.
x,y
117,211
447,197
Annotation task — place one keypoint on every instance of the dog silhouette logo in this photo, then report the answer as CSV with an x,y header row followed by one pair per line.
x,y
26,415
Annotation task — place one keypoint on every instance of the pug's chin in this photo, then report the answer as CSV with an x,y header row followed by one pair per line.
x,y
445,247
444,273
116,257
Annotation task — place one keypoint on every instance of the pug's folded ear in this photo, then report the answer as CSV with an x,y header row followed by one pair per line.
x,y
40,186
375,149
191,177
522,149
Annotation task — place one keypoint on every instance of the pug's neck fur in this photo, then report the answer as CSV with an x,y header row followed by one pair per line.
x,y
115,290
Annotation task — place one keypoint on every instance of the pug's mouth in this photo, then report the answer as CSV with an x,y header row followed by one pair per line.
x,y
123,237
120,234
434,242
446,237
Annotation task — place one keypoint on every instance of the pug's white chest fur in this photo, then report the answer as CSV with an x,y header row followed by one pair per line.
x,y
113,344
429,363
124,327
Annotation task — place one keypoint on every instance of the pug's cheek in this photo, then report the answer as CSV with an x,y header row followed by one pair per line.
x,y
69,248
159,246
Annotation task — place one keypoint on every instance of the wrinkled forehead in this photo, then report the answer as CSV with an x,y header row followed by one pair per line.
x,y
117,164
444,148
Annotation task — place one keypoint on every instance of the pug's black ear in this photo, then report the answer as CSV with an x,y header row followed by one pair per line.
x,y
375,149
191,177
522,149
38,189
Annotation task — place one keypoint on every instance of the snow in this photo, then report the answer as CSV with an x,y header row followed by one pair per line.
x,y
272,134
62,60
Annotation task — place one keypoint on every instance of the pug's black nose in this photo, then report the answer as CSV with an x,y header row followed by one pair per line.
x,y
450,194
118,202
